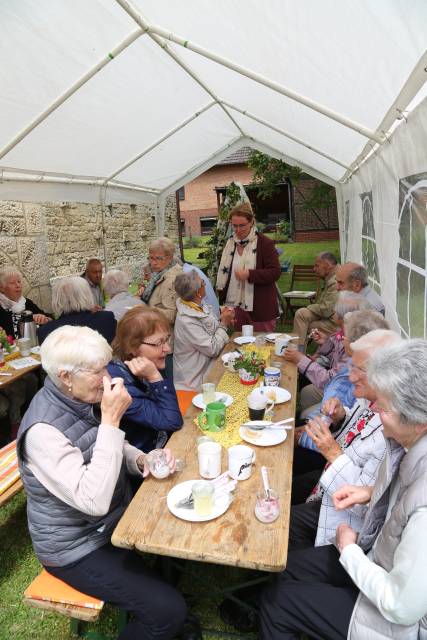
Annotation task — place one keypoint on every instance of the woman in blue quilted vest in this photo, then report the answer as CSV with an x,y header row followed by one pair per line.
x,y
75,465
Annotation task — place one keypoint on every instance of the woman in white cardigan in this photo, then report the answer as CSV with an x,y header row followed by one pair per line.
x,y
373,584
199,335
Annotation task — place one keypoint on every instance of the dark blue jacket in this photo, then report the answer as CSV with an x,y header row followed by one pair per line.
x,y
102,321
154,412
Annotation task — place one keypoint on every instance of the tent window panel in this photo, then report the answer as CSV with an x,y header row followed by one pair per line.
x,y
369,258
417,305
418,253
346,225
405,236
402,277
367,209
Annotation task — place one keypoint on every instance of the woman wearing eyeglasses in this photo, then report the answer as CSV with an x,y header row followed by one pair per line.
x,y
140,349
159,292
248,272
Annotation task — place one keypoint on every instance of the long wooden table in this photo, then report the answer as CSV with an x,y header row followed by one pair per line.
x,y
236,538
17,373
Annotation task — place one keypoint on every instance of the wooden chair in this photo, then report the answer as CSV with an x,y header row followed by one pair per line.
x,y
302,276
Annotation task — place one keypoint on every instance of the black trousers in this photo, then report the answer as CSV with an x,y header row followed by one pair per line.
x,y
314,595
303,485
120,577
303,524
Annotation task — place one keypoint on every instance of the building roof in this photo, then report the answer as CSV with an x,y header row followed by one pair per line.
x,y
239,156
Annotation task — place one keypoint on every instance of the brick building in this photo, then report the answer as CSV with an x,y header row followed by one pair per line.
x,y
199,201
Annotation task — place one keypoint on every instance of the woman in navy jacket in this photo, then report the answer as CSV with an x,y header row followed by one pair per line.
x,y
140,349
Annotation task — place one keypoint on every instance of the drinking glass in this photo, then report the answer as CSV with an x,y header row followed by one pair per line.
x,y
267,509
203,496
208,392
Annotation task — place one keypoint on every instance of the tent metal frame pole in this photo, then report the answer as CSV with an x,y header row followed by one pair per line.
x,y
78,181
143,23
284,133
160,140
257,77
408,92
71,90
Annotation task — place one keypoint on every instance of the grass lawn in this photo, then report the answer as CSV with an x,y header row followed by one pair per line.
x,y
18,565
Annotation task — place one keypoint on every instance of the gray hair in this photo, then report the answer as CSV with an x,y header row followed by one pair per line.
x,y
328,256
375,340
349,302
360,274
359,323
164,244
187,284
71,294
115,281
72,348
399,372
8,272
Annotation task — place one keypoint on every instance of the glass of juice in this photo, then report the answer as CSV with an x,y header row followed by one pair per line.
x,y
203,496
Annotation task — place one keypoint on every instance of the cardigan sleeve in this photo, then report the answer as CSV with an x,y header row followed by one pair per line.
x,y
270,270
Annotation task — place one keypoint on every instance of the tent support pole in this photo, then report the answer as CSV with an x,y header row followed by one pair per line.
x,y
260,79
159,141
283,133
69,92
104,241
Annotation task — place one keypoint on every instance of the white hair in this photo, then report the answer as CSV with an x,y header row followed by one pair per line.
x,y
375,340
8,272
348,302
399,372
359,323
115,281
162,244
71,348
70,295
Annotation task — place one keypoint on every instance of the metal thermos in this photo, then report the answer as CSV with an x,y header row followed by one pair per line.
x,y
28,328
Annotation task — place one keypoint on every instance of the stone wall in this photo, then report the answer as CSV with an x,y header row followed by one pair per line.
x,y
55,239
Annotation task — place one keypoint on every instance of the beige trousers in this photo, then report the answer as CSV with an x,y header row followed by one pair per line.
x,y
305,321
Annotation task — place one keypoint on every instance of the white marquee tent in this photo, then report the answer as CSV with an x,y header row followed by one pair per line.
x,y
116,101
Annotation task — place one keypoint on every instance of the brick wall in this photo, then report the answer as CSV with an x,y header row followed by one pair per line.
x,y
308,219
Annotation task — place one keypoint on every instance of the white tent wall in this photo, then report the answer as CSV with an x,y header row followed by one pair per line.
x,y
391,186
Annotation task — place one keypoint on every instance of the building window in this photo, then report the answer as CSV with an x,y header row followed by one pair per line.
x,y
183,226
411,274
369,245
207,225
181,193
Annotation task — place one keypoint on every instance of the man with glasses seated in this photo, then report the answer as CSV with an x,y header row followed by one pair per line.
x,y
139,357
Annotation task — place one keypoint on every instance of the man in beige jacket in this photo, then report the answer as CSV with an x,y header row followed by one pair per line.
x,y
319,315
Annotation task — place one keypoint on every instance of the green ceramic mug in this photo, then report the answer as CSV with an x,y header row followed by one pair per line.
x,y
213,417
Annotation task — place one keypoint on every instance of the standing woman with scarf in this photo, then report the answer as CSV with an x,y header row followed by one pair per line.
x,y
248,271
160,291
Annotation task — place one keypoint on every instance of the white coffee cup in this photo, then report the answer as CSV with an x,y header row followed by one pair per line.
x,y
280,345
247,330
240,461
209,454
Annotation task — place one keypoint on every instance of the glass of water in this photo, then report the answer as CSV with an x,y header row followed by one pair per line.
x,y
208,392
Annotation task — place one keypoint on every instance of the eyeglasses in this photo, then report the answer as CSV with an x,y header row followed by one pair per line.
x,y
240,226
157,258
359,370
159,343
92,372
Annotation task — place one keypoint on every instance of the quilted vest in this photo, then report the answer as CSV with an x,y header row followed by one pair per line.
x,y
367,623
60,533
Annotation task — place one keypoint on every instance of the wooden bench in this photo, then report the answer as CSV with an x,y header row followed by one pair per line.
x,y
10,482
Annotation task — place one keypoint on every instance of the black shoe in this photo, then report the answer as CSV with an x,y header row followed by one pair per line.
x,y
191,629
237,616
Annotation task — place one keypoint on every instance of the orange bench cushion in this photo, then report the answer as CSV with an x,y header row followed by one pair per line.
x,y
184,400
50,589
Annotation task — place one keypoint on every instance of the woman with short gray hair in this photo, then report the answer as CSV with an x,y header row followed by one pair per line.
x,y
72,303
13,303
199,335
116,286
75,465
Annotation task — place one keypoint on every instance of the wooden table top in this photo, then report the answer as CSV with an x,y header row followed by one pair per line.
x,y
16,373
236,538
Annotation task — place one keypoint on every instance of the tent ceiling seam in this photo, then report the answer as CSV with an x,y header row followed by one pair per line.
x,y
71,90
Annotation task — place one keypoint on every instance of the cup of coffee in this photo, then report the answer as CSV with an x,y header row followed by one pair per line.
x,y
209,454
258,405
247,330
280,345
24,346
213,417
271,377
240,461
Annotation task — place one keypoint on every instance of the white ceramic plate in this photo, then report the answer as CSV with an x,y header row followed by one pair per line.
x,y
244,339
35,350
266,438
198,400
278,394
181,491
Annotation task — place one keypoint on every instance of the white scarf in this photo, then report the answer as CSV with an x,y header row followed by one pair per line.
x,y
11,305
245,298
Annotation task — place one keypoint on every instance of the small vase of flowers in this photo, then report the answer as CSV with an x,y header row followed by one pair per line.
x,y
6,342
250,367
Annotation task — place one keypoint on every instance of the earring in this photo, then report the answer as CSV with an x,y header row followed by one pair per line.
x,y
69,388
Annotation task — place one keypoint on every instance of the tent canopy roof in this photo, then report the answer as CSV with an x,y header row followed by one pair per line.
x,y
124,101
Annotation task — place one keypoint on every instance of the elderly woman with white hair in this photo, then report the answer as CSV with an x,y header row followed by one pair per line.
x,y
199,335
116,286
13,303
160,292
370,584
74,463
72,303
